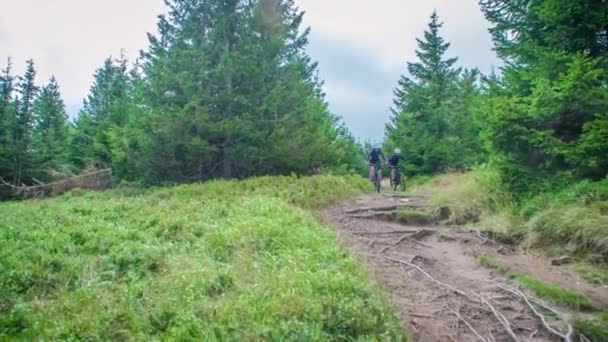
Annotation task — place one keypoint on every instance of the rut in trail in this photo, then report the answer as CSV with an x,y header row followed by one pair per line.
x,y
436,284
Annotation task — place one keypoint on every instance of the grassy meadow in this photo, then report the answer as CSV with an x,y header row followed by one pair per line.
x,y
215,261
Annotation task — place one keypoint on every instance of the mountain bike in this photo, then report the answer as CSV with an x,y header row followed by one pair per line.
x,y
376,176
397,179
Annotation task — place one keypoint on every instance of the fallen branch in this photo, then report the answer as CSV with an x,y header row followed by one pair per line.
x,y
500,317
428,276
468,325
8,184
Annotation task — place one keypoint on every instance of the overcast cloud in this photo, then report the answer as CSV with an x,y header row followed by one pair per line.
x,y
362,46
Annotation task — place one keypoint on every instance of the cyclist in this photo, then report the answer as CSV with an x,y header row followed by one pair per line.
x,y
375,158
395,158
393,163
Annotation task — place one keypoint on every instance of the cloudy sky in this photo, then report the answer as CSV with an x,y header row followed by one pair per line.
x,y
361,46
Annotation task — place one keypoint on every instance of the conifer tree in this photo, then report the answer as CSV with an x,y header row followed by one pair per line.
x,y
423,105
50,133
21,127
7,87
102,111
552,97
232,93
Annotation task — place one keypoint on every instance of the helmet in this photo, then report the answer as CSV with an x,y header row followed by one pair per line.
x,y
397,151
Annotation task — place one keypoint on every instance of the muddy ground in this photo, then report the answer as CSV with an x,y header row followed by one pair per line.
x,y
436,282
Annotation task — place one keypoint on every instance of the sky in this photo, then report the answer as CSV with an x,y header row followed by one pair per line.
x,y
362,46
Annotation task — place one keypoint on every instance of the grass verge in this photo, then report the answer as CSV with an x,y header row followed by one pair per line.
x,y
492,263
556,294
553,293
593,274
595,329
215,261
574,216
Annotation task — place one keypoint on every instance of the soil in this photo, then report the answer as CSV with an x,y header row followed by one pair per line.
x,y
429,308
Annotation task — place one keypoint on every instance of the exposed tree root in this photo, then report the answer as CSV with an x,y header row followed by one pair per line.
x,y
500,317
418,234
366,209
428,276
568,337
483,339
389,232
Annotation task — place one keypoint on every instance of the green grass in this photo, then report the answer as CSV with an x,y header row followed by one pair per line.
x,y
411,216
592,274
572,219
594,329
215,261
556,294
466,195
553,293
575,216
490,262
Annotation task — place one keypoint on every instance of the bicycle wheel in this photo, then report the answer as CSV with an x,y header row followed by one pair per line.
x,y
377,181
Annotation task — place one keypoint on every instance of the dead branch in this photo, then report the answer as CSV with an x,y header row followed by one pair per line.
x,y
500,317
468,325
428,276
569,335
8,184
38,182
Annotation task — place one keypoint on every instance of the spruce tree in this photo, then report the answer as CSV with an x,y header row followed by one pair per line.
x,y
50,131
232,93
101,112
7,87
543,119
423,105
21,130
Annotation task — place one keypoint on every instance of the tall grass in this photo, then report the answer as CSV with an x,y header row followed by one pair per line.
x,y
574,216
215,261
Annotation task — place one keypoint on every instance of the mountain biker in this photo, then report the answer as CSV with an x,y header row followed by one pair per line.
x,y
393,164
395,158
374,158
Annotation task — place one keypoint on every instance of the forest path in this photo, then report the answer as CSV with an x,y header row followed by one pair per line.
x,y
436,282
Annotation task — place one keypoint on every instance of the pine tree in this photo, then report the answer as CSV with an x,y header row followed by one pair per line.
x,y
21,130
50,131
547,108
423,105
102,110
7,87
232,93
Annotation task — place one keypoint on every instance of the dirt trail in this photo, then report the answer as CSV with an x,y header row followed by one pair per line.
x,y
444,304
